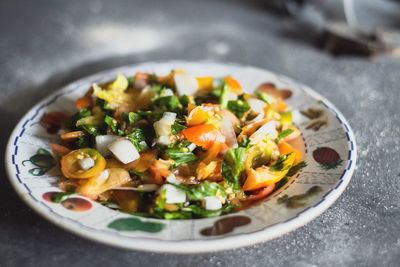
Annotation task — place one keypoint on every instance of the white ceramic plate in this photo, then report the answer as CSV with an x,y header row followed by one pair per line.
x,y
330,155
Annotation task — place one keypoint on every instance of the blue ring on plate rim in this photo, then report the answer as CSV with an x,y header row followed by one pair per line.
x,y
78,83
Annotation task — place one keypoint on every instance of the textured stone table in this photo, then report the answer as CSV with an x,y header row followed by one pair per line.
x,y
44,45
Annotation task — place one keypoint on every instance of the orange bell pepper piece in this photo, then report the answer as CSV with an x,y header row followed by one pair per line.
x,y
204,135
286,148
233,84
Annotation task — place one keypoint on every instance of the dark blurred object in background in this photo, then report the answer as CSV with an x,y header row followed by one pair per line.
x,y
348,27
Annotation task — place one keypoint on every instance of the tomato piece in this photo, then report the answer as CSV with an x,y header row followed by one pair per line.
x,y
260,193
204,135
159,170
70,163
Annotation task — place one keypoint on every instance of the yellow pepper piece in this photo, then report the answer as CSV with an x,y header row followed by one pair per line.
x,y
265,176
205,82
70,163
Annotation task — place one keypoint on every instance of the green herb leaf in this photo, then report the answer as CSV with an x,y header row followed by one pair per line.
x,y
167,103
223,98
238,107
280,163
131,117
136,137
264,97
177,128
233,166
245,142
202,190
71,122
180,156
91,129
283,134
110,121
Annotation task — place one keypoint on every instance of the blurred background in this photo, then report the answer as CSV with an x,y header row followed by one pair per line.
x,y
346,50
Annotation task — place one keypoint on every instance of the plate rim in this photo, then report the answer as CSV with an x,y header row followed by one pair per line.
x,y
190,246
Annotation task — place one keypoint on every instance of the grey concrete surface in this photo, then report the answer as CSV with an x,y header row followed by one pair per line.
x,y
46,44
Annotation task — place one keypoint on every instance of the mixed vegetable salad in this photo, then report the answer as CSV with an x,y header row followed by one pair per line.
x,y
177,146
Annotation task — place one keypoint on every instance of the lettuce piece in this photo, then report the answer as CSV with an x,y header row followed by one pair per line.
x,y
233,166
202,190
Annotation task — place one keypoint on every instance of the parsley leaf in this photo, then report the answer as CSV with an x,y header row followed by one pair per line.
x,y
202,190
180,155
137,136
110,121
177,128
131,117
233,166
238,107
71,122
168,103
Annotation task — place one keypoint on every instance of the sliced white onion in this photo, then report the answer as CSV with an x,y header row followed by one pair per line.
x,y
256,105
168,92
169,117
258,118
147,187
103,176
212,203
163,140
172,179
86,163
267,129
191,147
229,133
173,195
124,150
163,126
102,143
185,84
